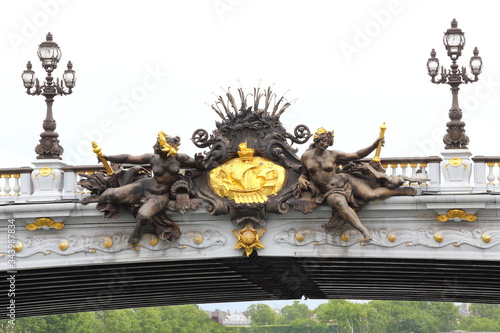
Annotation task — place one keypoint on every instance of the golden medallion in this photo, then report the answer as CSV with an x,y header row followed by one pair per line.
x,y
455,161
247,179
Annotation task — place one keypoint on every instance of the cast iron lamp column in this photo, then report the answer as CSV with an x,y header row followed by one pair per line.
x,y
49,54
454,41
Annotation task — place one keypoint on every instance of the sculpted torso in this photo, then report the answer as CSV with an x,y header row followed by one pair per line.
x,y
165,172
320,168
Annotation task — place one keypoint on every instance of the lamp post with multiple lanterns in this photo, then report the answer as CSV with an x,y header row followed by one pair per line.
x,y
49,54
454,41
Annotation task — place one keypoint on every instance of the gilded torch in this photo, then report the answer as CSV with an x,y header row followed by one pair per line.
x,y
97,150
376,158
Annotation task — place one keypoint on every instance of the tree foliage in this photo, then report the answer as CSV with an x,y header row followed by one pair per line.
x,y
262,314
335,316
295,311
173,319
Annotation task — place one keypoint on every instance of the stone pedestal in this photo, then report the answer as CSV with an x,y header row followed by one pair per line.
x,y
47,178
457,169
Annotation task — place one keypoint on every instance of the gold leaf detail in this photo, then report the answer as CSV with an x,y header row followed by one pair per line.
x,y
44,222
455,161
392,237
198,239
485,238
345,237
456,214
18,246
438,238
108,242
45,171
247,179
153,241
249,239
64,245
299,237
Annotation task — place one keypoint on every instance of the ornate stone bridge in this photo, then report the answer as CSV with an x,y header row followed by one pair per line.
x,y
242,236
440,245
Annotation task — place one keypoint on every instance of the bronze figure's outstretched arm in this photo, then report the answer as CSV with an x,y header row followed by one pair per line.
x,y
360,153
126,158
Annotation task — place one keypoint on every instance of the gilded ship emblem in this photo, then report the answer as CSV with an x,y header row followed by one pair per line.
x,y
247,179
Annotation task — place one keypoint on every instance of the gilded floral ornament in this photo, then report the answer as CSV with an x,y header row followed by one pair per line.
x,y
456,215
45,223
249,239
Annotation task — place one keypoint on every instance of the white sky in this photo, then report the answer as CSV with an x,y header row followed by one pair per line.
x,y
196,47
351,64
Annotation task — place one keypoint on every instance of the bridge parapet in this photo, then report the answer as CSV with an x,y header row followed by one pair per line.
x,y
427,226
18,183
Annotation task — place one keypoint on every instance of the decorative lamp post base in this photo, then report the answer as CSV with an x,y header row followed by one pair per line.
x,y
47,180
457,168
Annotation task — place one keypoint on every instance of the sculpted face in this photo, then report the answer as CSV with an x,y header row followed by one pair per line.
x,y
324,141
157,148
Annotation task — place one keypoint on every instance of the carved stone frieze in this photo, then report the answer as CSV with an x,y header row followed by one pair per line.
x,y
429,237
113,243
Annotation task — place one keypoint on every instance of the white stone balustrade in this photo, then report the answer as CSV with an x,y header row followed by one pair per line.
x,y
486,173
16,184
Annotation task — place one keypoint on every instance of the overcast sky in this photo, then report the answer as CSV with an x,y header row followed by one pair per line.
x,y
146,66
153,65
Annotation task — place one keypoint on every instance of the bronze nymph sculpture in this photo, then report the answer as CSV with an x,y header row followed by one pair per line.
x,y
148,197
344,192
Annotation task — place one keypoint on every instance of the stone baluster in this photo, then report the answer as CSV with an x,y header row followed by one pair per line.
x,y
16,189
6,187
422,173
413,168
394,167
498,176
491,175
404,167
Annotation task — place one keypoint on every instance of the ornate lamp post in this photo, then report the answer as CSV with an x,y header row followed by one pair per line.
x,y
454,41
49,54
456,164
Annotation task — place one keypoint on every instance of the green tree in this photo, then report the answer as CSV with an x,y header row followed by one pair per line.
x,y
308,325
475,324
188,319
343,315
118,321
295,311
490,311
32,324
445,314
261,314
150,320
